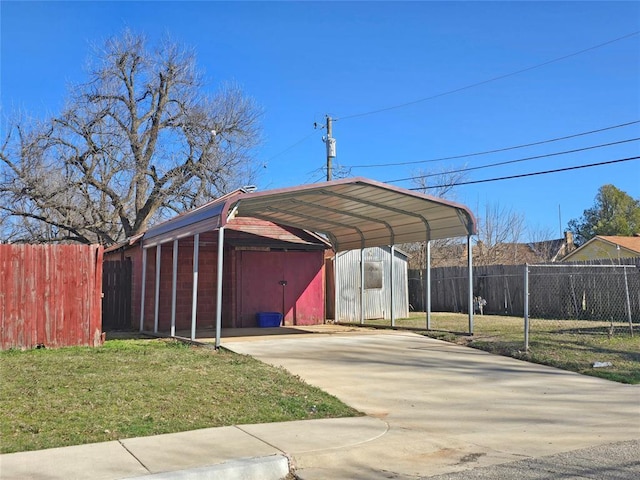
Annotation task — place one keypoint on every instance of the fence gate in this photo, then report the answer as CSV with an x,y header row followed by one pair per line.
x,y
116,303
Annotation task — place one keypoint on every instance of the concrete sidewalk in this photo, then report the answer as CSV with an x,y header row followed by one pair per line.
x,y
247,451
433,408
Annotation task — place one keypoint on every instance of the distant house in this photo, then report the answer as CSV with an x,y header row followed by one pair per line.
x,y
553,250
455,255
603,247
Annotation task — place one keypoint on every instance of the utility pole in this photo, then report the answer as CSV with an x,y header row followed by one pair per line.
x,y
331,147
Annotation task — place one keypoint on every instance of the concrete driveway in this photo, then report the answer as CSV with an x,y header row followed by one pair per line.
x,y
448,408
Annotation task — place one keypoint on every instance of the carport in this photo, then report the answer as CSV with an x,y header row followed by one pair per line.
x,y
351,214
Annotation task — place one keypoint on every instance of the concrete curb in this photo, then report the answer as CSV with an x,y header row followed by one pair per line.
x,y
272,467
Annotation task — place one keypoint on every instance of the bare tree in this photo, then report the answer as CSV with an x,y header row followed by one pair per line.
x,y
439,184
137,141
499,234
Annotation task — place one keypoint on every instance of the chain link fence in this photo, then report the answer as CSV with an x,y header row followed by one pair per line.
x,y
532,302
581,299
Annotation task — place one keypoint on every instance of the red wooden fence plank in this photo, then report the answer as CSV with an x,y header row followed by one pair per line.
x,y
81,308
95,330
56,307
38,301
4,278
48,300
51,295
21,284
69,286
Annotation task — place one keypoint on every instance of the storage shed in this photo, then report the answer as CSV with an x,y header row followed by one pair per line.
x,y
268,268
385,294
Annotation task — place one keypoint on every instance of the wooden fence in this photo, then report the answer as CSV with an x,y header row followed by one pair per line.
x,y
502,287
50,295
575,290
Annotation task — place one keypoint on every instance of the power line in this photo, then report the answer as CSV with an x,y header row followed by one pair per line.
x,y
293,145
566,169
500,77
318,175
555,154
566,137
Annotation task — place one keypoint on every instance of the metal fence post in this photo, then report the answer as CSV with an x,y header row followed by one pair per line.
x,y
526,307
626,288
427,288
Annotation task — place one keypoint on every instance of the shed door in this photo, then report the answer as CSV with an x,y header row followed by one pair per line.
x,y
116,300
373,289
262,275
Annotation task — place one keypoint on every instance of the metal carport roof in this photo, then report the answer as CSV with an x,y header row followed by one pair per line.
x,y
357,213
353,213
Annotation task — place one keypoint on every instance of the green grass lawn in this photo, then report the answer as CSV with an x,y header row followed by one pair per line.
x,y
132,388
573,349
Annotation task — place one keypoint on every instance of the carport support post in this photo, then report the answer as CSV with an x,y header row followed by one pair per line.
x,y
393,313
335,288
219,286
156,313
470,266
174,288
427,290
361,285
143,289
194,299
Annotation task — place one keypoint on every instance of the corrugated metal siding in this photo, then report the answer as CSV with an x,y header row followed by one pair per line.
x,y
50,295
400,286
202,219
347,271
377,302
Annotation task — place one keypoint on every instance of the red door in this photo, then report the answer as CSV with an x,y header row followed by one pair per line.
x,y
304,292
289,282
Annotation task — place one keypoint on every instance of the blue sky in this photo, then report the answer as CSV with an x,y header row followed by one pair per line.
x,y
302,61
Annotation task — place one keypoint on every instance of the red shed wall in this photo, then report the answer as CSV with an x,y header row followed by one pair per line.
x,y
260,279
249,278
